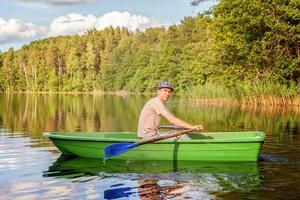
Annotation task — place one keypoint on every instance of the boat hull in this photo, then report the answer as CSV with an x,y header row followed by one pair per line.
x,y
230,146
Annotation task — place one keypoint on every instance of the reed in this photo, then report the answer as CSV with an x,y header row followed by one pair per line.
x,y
262,93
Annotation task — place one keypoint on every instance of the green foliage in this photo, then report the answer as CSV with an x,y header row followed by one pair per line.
x,y
210,91
2,75
240,48
259,38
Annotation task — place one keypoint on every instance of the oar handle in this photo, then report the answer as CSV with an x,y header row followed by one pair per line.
x,y
170,127
165,136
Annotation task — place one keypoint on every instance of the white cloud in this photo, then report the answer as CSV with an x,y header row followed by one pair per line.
x,y
78,24
132,22
15,30
71,24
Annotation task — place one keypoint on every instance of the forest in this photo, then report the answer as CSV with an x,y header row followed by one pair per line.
x,y
242,50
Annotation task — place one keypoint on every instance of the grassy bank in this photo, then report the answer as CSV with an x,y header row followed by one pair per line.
x,y
246,94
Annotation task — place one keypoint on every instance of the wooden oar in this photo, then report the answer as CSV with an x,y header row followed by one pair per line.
x,y
122,147
170,127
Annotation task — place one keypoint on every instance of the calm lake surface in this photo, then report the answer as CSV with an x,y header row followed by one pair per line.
x,y
31,167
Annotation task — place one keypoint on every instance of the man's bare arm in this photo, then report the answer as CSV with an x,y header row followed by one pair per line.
x,y
178,122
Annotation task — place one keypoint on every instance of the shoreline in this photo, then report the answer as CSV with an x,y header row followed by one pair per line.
x,y
252,101
268,100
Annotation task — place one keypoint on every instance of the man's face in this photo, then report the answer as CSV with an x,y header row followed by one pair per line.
x,y
164,93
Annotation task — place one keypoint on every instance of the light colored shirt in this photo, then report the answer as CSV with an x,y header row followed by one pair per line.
x,y
150,117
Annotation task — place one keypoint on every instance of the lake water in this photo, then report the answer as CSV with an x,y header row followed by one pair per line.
x,y
31,167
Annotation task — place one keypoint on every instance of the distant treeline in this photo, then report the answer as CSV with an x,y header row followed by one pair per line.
x,y
241,48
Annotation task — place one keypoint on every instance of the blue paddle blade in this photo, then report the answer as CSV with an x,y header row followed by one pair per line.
x,y
118,148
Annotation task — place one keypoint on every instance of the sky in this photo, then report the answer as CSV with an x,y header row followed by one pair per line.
x,y
22,21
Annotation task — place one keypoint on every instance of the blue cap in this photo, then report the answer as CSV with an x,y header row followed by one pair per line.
x,y
165,84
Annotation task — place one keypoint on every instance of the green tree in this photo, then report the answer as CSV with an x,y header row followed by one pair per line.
x,y
122,61
106,68
258,39
9,69
2,75
89,58
74,73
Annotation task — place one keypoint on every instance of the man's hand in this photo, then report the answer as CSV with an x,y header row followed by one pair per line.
x,y
198,128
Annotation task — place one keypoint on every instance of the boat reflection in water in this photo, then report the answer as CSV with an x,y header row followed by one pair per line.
x,y
158,179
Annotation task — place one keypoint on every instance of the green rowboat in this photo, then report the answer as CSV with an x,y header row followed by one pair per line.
x,y
207,146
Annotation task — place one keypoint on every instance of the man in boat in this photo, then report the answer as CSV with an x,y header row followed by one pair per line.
x,y
152,111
